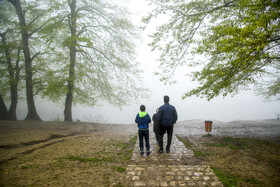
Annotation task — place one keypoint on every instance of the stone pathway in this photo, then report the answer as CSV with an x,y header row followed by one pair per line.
x,y
168,169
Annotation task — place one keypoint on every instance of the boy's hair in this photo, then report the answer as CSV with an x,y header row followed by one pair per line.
x,y
142,108
166,99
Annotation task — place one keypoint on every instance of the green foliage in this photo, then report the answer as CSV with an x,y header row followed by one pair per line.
x,y
105,68
11,58
39,22
237,40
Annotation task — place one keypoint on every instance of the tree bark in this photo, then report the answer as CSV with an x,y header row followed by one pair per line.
x,y
14,87
73,51
3,109
32,112
14,100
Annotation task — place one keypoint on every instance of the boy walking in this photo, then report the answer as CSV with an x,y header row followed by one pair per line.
x,y
143,119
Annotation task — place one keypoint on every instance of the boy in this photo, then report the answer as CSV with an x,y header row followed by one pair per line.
x,y
143,119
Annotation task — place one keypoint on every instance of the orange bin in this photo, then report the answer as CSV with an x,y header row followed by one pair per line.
x,y
208,126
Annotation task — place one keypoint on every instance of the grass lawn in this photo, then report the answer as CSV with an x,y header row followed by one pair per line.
x,y
238,161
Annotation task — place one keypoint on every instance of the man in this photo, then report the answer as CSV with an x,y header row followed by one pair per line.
x,y
167,117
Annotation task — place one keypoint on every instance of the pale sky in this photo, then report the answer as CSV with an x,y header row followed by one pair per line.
x,y
244,106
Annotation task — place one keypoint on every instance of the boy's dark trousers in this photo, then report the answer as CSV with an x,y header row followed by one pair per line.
x,y
162,130
144,134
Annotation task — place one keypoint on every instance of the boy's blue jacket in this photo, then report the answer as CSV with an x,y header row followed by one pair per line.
x,y
143,119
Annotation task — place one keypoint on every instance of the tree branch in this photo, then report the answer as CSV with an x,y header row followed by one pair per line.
x,y
35,56
36,30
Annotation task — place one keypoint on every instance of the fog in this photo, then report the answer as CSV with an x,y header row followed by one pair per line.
x,y
244,106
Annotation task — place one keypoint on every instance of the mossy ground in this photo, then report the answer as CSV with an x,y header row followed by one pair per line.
x,y
238,161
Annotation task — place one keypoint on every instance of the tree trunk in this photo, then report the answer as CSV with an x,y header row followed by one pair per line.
x,y
14,100
14,78
3,109
71,78
14,87
32,112
73,51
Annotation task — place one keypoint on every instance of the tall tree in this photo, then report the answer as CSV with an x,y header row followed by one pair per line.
x,y
238,39
32,17
100,63
72,23
10,48
14,74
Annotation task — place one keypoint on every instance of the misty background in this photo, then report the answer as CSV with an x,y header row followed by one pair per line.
x,y
244,106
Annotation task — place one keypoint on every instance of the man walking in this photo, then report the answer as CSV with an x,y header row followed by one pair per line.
x,y
167,117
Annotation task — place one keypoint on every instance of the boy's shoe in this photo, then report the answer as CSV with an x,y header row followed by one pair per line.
x,y
148,153
142,152
160,151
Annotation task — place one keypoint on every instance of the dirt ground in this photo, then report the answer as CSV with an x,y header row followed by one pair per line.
x,y
86,154
64,154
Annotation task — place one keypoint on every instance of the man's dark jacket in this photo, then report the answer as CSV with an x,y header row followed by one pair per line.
x,y
167,115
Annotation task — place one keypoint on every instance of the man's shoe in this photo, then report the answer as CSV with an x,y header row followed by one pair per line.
x,y
167,151
148,153
160,151
142,152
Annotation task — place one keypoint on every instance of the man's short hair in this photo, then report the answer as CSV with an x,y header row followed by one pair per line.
x,y
142,108
166,99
